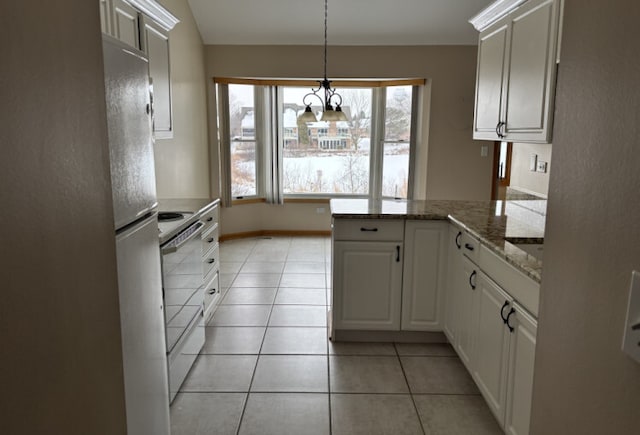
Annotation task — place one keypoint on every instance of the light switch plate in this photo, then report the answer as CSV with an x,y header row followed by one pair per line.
x,y
533,162
542,166
631,337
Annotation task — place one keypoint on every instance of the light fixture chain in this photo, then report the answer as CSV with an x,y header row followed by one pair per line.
x,y
326,14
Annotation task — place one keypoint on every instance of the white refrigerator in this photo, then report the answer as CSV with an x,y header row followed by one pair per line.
x,y
136,232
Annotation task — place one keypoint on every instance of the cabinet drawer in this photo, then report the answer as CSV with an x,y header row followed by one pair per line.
x,y
368,229
212,295
470,247
209,239
211,260
519,286
210,218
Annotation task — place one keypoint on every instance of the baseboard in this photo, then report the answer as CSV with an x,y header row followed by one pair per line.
x,y
389,336
282,233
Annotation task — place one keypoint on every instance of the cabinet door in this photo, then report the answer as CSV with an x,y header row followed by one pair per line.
x,y
492,49
367,285
465,302
532,69
126,24
423,276
105,16
454,274
156,45
492,341
520,382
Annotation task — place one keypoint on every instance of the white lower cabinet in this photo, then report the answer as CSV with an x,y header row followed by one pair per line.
x,y
367,285
454,266
423,277
389,274
522,350
465,300
492,337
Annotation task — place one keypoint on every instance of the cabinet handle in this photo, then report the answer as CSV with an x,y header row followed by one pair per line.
x,y
369,229
471,283
458,239
210,240
212,291
211,260
469,247
398,254
500,129
513,310
210,218
504,319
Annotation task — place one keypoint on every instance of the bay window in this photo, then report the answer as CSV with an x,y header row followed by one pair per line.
x,y
268,153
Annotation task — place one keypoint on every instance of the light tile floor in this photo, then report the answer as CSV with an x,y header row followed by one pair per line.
x,y
268,368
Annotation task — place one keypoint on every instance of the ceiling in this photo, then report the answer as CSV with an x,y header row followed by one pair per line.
x,y
350,22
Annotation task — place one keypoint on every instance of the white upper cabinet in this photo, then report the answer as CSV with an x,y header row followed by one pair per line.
x,y
145,25
516,73
155,42
126,23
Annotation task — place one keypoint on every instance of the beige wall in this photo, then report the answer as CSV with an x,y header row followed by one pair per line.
x,y
450,165
182,163
524,179
59,319
583,383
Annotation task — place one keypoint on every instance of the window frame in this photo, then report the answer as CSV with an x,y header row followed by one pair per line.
x,y
268,98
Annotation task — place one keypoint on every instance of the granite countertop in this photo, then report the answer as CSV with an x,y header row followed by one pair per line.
x,y
192,208
490,221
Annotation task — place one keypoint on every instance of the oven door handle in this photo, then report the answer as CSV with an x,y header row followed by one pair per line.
x,y
174,245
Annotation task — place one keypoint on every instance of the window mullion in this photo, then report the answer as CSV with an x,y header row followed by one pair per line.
x,y
413,141
376,144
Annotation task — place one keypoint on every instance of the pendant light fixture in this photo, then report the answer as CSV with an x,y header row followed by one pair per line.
x,y
330,95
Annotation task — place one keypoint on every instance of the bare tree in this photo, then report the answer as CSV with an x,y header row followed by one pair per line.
x,y
359,103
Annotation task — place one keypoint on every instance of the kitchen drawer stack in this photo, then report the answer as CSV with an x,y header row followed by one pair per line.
x,y
211,260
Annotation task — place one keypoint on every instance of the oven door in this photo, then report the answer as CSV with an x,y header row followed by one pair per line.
x,y
182,282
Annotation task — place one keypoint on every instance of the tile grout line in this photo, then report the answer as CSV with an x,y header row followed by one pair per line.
x,y
246,401
326,287
413,401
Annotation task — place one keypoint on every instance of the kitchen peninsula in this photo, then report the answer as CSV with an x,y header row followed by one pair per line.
x,y
413,270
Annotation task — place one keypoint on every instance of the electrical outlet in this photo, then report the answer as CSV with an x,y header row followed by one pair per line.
x,y
542,167
533,162
631,337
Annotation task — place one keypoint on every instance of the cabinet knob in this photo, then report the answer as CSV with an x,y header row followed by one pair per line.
x,y
210,240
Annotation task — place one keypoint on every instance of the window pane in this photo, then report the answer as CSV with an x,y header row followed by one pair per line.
x,y
243,168
243,144
397,132
327,157
395,169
